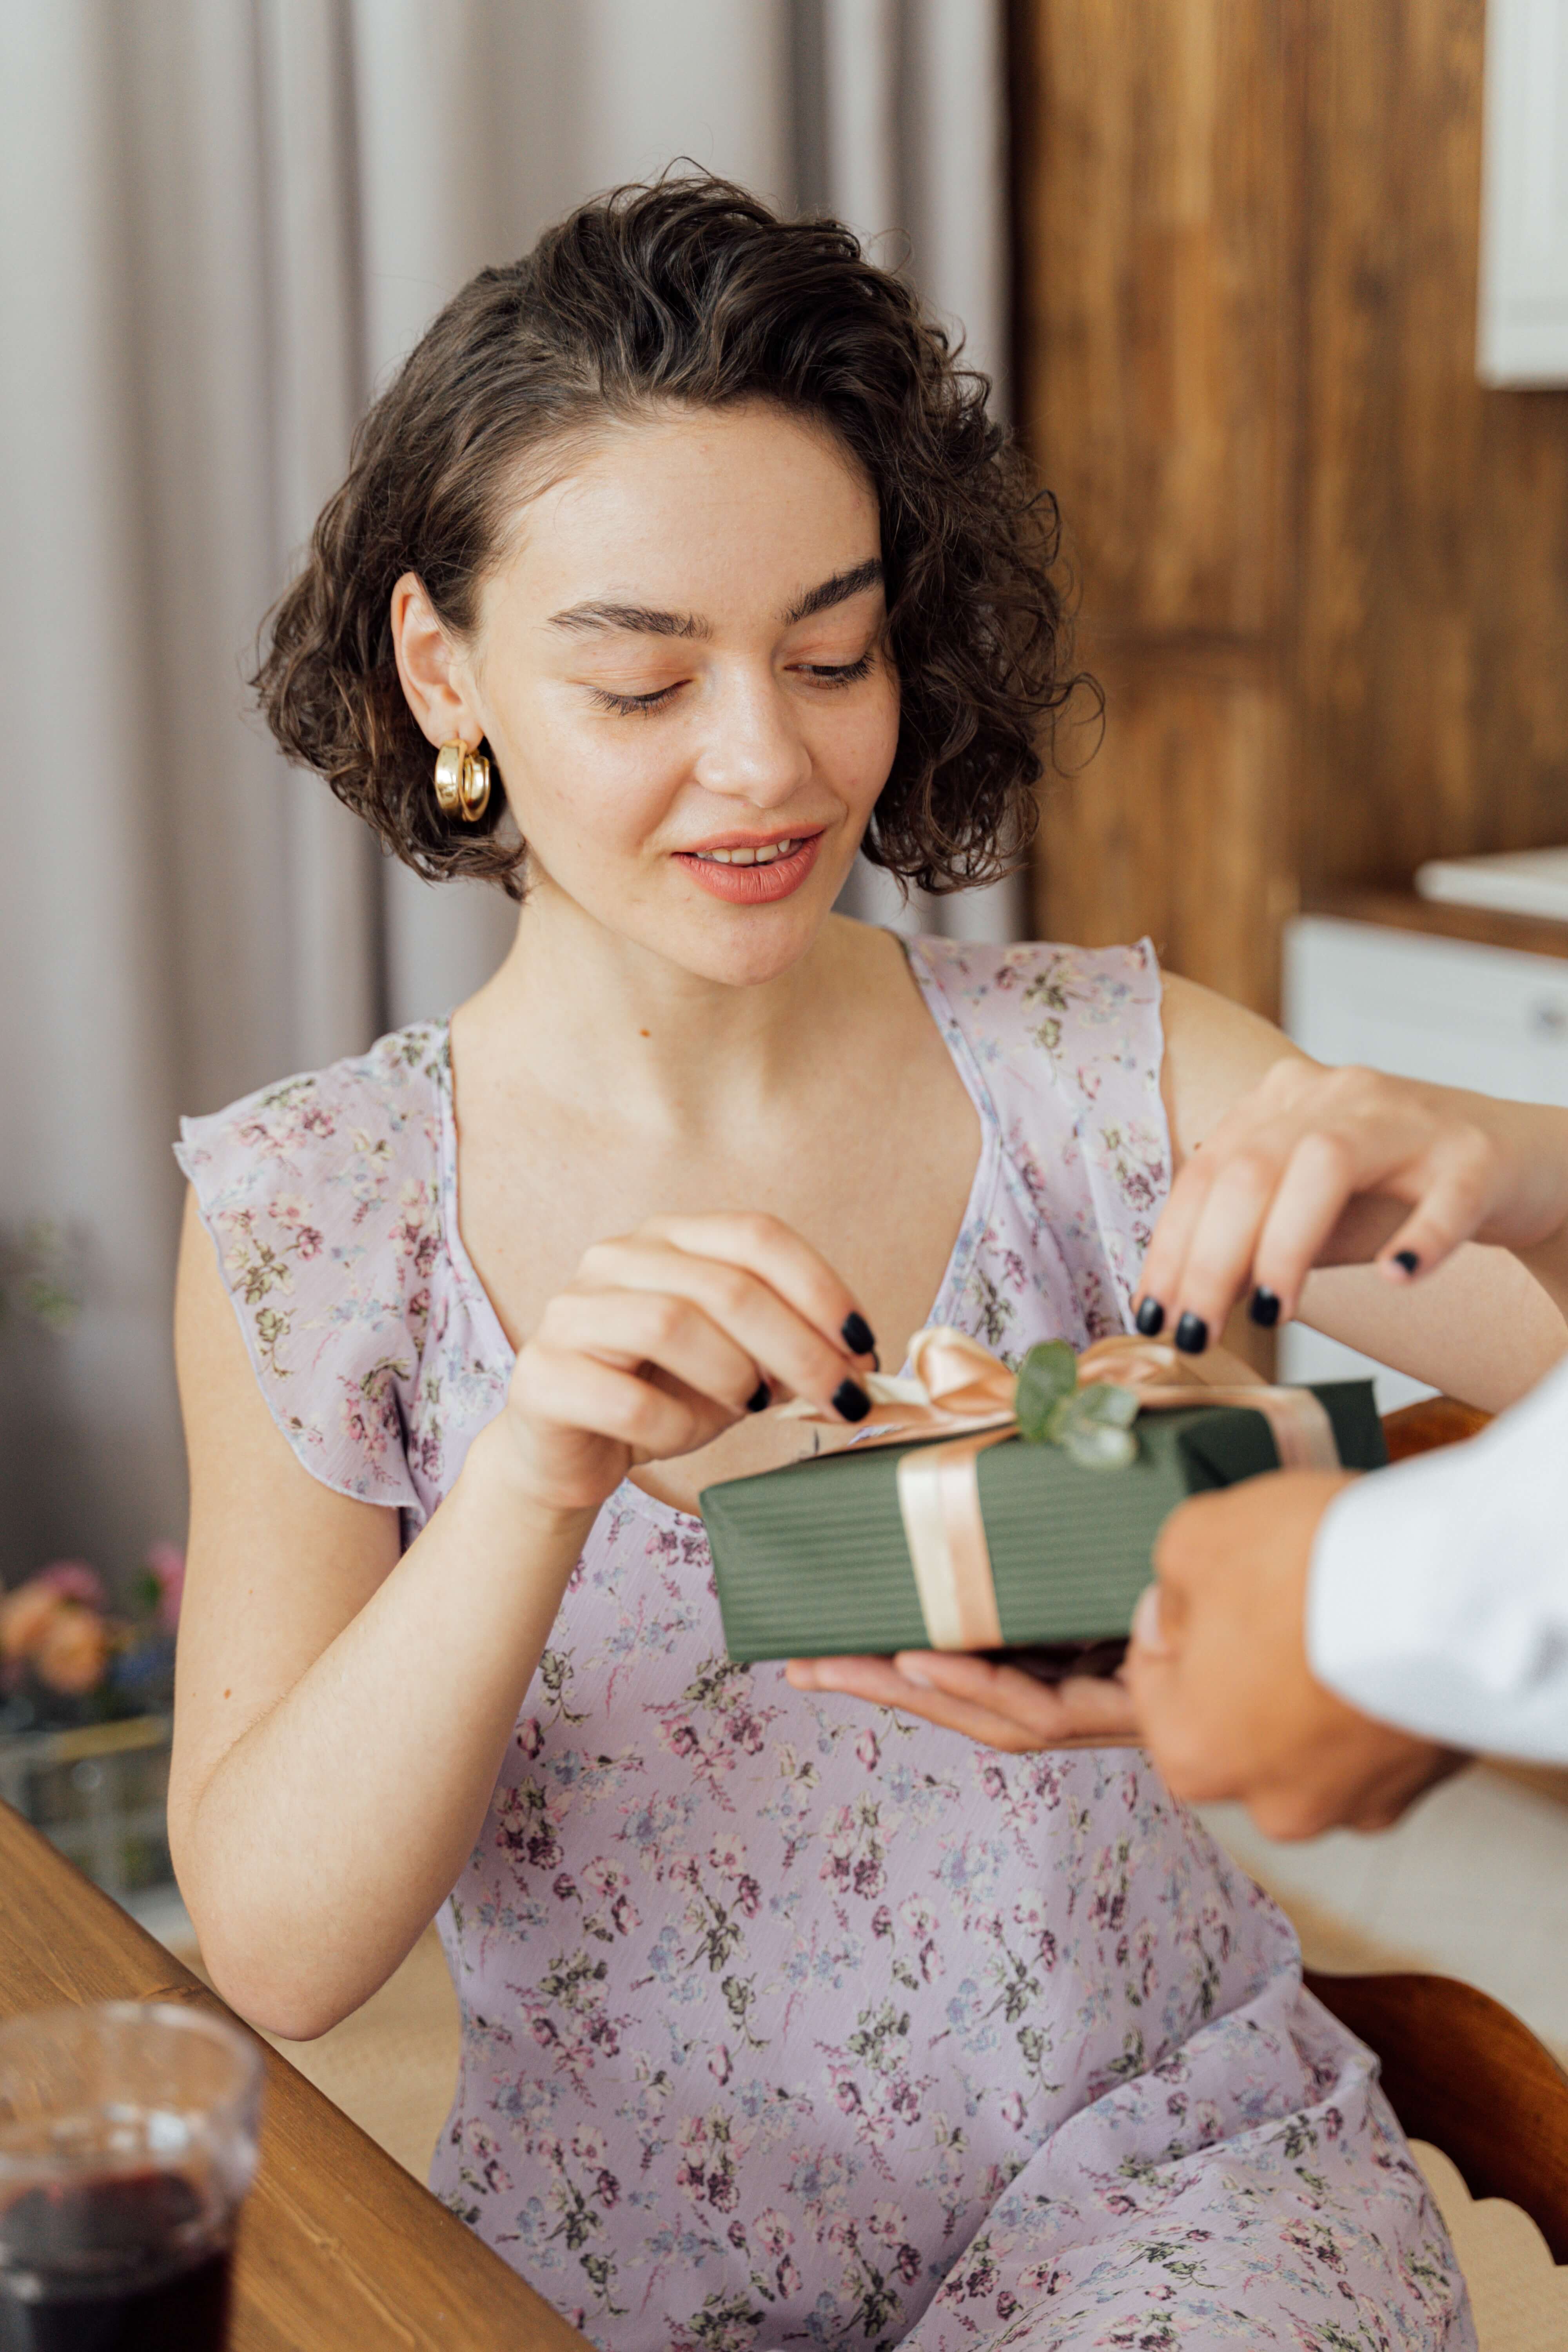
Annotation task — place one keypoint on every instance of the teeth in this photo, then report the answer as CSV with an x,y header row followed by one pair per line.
x,y
766,856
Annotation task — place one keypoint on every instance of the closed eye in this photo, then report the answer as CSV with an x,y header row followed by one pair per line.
x,y
629,705
837,672
633,706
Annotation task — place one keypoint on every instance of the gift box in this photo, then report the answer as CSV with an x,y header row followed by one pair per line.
x,y
970,1517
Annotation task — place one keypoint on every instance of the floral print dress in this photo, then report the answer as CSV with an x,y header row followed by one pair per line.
x,y
785,2020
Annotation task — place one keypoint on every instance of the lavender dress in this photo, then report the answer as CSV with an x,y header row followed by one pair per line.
x,y
786,2019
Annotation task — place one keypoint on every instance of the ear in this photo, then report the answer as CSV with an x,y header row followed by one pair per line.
x,y
433,673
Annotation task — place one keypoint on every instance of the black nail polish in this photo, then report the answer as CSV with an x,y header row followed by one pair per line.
x,y
1191,1335
857,1335
851,1401
1264,1308
1408,1260
1151,1318
761,1398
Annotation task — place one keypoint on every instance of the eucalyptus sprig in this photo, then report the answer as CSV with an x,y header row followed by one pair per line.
x,y
1092,1424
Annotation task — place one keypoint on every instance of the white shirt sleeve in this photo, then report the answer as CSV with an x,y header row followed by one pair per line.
x,y
1438,1598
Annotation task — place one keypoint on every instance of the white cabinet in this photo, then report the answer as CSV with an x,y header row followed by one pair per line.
x,y
1522,326
1424,1007
1428,1007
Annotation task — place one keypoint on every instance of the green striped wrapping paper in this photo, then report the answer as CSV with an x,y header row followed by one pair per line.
x,y
811,1561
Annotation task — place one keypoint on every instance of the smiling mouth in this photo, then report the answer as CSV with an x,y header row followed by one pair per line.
x,y
767,853
752,873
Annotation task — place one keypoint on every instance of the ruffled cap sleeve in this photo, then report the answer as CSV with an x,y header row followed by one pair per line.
x,y
321,1195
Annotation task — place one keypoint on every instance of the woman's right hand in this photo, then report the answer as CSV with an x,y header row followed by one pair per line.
x,y
666,1337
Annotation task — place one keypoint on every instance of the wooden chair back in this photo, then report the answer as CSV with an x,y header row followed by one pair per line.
x,y
1461,2071
1434,1421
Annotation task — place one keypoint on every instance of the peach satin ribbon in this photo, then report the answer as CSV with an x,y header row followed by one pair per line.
x,y
960,1386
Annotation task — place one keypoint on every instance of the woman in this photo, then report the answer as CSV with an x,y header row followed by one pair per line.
x,y
781,2018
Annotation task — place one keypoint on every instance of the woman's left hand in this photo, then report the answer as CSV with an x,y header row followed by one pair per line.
x,y
1333,1167
1000,1707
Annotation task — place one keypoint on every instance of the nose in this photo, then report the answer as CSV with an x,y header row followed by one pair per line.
x,y
753,750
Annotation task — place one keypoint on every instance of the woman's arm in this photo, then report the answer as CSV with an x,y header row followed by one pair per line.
x,y
1273,1157
342,1713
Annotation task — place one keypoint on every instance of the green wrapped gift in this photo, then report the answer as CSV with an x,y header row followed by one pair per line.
x,y
1022,1518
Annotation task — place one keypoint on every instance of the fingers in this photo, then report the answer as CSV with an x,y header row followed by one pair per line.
x,y
1160,1290
1083,1706
778,1314
766,1246
560,1388
1290,1180
1222,1240
1319,1179
997,1706
1453,1205
632,1328
1173,1724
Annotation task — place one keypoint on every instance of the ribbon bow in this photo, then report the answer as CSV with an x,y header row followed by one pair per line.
x,y
960,1390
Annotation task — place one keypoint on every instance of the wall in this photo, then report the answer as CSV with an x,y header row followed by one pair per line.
x,y
1324,575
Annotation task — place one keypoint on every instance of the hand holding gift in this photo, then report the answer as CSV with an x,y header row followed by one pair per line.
x,y
978,1510
1218,1673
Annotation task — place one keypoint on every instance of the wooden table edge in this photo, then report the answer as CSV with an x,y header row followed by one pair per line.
x,y
319,2176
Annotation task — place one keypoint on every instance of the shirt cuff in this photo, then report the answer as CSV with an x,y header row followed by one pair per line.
x,y
1438,1593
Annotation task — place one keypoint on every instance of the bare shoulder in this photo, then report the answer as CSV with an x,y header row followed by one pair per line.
x,y
1215,1052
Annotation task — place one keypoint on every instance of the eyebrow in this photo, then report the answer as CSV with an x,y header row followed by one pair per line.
x,y
837,591
649,621
645,619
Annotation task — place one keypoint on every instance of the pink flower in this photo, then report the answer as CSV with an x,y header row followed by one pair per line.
x,y
74,1580
867,1750
774,2231
166,1566
74,1650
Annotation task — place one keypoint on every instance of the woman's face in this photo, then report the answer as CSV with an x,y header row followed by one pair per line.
x,y
681,674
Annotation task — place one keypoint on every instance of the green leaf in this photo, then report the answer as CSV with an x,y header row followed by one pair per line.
x,y
1094,1425
1046,1378
1112,1407
1099,1445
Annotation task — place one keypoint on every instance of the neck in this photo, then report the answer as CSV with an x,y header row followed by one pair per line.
x,y
595,1020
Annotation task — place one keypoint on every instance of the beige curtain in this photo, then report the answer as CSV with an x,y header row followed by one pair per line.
x,y
224,220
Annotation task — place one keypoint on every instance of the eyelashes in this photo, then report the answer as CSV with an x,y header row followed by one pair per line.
x,y
841,673
629,705
828,674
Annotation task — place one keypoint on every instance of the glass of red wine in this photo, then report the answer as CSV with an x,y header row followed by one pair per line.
x,y
127,2144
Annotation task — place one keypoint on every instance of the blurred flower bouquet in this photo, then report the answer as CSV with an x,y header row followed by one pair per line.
x,y
66,1658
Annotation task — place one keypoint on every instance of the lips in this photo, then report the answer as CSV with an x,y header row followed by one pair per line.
x,y
761,853
752,874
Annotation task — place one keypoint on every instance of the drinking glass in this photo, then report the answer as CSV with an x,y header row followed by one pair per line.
x,y
127,2144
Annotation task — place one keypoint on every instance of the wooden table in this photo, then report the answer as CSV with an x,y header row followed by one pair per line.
x,y
340,2249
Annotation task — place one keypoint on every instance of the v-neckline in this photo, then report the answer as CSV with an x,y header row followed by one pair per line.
x,y
950,1290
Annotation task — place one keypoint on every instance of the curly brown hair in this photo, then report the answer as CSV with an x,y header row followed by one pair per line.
x,y
689,291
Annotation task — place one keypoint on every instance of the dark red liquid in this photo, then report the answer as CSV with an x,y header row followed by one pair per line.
x,y
108,2266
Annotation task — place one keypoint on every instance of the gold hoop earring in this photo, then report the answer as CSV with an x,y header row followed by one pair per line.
x,y
475,793
462,781
450,761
